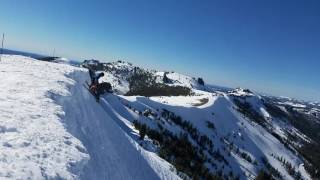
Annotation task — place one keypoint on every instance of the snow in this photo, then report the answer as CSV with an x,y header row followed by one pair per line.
x,y
34,142
52,128
249,137
121,86
219,109
182,80
252,138
186,101
240,92
303,172
112,154
297,105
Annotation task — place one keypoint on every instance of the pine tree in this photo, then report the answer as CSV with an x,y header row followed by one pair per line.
x,y
143,131
262,175
165,78
200,81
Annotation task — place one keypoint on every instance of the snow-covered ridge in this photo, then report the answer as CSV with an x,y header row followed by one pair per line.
x,y
52,128
118,73
34,142
51,123
230,128
249,110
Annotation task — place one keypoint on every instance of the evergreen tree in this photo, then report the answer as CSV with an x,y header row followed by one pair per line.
x,y
143,131
200,81
165,78
263,176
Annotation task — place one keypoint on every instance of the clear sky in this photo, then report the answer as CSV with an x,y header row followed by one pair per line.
x,y
270,46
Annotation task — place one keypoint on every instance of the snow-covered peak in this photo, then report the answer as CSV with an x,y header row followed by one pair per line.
x,y
122,64
241,92
116,66
178,79
91,62
118,73
297,105
51,127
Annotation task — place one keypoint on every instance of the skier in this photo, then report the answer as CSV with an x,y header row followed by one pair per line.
x,y
95,83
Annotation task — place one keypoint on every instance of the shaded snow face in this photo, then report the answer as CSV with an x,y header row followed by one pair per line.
x,y
234,135
34,142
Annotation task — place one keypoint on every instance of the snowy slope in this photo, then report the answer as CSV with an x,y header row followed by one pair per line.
x,y
51,127
118,73
230,126
178,79
243,143
34,142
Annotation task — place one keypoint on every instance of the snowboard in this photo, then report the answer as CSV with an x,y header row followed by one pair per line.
x,y
87,87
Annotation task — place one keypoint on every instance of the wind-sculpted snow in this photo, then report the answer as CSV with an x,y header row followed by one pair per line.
x,y
113,155
34,142
52,128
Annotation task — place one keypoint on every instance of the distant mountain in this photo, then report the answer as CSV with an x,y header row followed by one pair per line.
x,y
27,54
249,131
120,73
156,125
42,57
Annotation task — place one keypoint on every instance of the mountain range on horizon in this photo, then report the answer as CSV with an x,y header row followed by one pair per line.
x,y
155,125
159,90
78,62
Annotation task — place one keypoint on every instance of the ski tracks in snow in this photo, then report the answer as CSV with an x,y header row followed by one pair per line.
x,y
52,128
33,142
112,155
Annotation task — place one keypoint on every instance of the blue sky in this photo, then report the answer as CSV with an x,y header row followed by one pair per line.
x,y
269,46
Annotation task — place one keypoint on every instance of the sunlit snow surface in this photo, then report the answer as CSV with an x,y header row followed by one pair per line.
x,y
250,137
34,141
52,127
